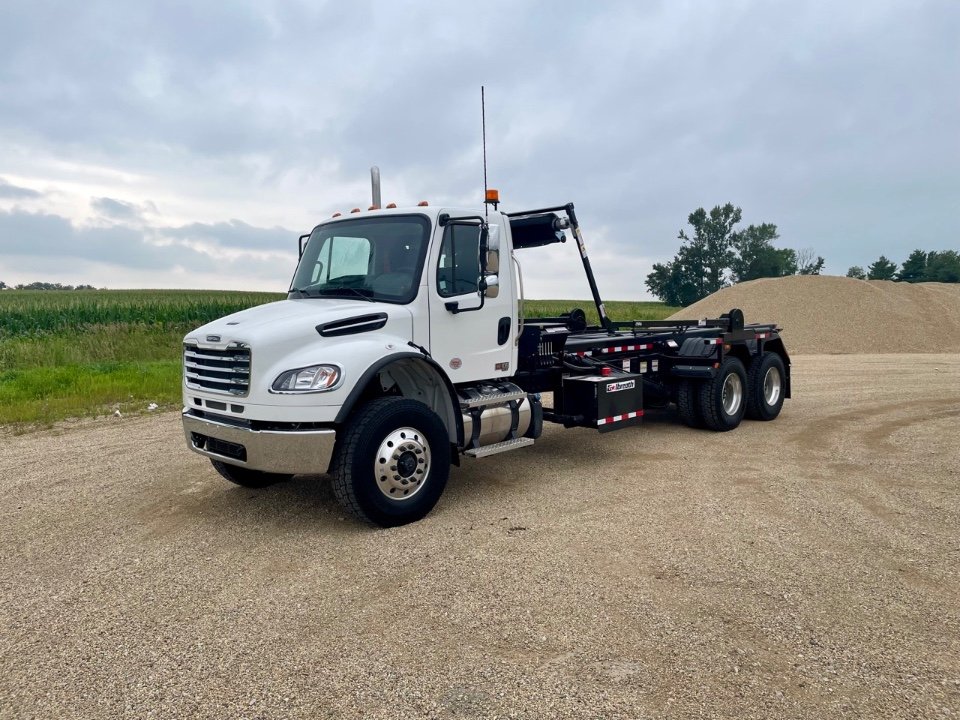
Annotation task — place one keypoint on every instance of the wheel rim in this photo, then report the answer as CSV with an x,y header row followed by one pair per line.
x,y
771,386
732,395
402,464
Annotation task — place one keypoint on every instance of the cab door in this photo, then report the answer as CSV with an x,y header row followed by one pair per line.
x,y
472,329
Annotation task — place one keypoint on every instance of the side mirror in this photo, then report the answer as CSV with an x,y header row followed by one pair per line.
x,y
492,283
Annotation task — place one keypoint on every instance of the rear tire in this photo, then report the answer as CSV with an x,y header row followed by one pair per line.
x,y
723,398
392,463
246,477
688,403
765,386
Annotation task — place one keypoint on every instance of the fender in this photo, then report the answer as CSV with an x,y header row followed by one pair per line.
x,y
376,367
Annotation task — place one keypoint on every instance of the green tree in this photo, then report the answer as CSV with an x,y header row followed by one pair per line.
x,y
708,253
857,273
699,268
943,267
882,269
756,257
914,267
672,284
3,285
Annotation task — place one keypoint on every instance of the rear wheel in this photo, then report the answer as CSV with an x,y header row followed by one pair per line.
x,y
393,462
688,403
723,397
765,387
246,477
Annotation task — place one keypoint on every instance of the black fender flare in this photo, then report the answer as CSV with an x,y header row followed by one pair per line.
x,y
371,372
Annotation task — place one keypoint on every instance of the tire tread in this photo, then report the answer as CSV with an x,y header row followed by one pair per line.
x,y
713,416
354,435
688,403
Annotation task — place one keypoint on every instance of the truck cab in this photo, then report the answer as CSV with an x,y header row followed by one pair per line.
x,y
394,303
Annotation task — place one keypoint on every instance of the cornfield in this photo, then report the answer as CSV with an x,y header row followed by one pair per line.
x,y
43,312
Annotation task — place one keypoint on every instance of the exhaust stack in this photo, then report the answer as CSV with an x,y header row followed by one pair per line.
x,y
375,186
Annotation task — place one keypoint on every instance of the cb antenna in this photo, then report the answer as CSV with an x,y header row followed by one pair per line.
x,y
490,197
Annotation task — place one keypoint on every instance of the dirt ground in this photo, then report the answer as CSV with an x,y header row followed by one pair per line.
x,y
804,568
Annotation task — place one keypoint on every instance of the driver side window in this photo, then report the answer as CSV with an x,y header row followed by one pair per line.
x,y
458,271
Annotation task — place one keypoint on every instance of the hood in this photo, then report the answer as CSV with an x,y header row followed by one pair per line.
x,y
296,322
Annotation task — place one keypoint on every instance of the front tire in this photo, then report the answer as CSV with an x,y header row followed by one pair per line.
x,y
246,477
723,398
393,462
765,386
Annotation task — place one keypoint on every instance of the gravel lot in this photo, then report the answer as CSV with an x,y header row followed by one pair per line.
x,y
804,568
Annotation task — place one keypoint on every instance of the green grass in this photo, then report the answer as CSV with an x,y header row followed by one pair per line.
x,y
67,354
46,394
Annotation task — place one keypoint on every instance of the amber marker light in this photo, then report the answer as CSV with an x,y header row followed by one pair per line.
x,y
422,203
355,210
391,206
337,214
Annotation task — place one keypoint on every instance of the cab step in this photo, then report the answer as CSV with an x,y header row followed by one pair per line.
x,y
499,447
492,399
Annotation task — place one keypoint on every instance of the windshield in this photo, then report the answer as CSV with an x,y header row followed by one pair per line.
x,y
373,258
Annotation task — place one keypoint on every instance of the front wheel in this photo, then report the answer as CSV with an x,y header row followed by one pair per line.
x,y
765,385
723,397
246,477
393,462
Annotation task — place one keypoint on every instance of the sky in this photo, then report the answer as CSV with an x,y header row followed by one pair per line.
x,y
188,144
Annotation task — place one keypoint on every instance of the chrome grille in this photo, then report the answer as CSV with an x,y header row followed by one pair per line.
x,y
223,371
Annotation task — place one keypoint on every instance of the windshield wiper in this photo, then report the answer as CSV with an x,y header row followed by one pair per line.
x,y
334,291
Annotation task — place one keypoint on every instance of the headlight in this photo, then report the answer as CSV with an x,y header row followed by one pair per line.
x,y
315,378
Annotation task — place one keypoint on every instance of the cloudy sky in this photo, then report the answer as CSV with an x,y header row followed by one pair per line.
x,y
188,144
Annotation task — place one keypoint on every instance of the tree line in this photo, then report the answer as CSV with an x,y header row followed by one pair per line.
x,y
920,266
717,254
44,286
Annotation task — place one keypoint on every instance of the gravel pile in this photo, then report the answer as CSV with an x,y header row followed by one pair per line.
x,y
824,314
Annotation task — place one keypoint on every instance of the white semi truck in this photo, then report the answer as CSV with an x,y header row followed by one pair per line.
x,y
402,346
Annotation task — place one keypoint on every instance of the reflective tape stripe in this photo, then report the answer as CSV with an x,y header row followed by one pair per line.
x,y
625,348
618,418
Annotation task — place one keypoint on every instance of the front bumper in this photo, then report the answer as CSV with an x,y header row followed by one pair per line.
x,y
293,452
